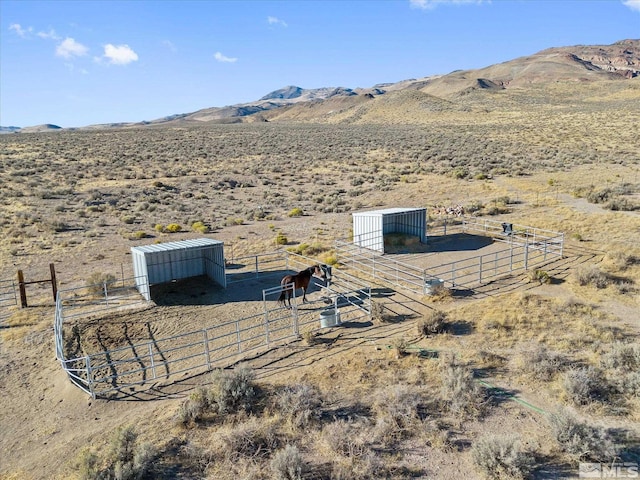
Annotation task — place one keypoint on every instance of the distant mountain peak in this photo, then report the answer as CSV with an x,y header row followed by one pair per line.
x,y
285,93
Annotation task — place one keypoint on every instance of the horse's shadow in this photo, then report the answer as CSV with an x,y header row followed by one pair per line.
x,y
202,290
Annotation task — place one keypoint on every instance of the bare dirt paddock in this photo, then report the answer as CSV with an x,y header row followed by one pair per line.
x,y
192,325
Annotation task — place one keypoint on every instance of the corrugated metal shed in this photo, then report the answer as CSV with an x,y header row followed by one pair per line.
x,y
164,262
370,227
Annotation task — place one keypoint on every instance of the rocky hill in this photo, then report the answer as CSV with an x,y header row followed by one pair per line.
x,y
579,64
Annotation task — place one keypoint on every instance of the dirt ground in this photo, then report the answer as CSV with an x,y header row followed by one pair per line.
x,y
46,421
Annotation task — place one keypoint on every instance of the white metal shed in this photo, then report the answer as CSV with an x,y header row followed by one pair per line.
x,y
370,227
164,262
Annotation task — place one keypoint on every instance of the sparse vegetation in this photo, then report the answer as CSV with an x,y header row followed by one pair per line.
x,y
501,457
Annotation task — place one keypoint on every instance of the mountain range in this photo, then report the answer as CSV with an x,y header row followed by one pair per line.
x,y
581,64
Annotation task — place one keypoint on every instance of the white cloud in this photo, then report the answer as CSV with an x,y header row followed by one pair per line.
x,y
632,4
70,48
119,54
21,32
221,58
50,35
431,4
276,21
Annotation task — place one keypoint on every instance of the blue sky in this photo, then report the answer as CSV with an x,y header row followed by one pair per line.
x,y
76,63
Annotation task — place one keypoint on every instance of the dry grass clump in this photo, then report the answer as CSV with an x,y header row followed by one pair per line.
x,y
299,404
579,440
621,260
584,385
432,323
396,410
287,464
539,363
230,392
501,457
98,281
622,364
124,458
591,275
462,395
252,438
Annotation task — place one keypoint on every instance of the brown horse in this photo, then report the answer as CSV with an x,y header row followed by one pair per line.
x,y
301,280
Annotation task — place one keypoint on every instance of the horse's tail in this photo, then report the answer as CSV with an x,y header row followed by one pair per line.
x,y
282,296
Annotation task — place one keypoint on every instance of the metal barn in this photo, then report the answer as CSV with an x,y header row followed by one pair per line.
x,y
164,262
369,228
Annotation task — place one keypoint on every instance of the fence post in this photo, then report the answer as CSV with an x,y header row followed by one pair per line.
x,y
526,254
87,362
54,283
453,274
495,265
257,274
206,350
445,226
480,269
23,290
153,363
106,294
511,257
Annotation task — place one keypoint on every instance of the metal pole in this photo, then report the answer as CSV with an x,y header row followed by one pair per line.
x,y
106,294
526,254
480,269
54,283
87,362
153,363
207,356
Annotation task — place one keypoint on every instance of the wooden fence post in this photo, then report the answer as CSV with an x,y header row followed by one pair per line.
x,y
23,290
54,283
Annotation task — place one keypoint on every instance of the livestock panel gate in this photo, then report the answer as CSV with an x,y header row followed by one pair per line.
x,y
369,228
165,262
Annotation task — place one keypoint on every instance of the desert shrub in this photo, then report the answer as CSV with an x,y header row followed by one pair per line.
x,y
591,275
124,459
299,404
287,464
539,276
461,394
199,227
128,219
501,457
233,390
344,438
362,467
622,356
621,204
378,312
158,228
140,234
600,196
434,322
255,437
281,239
540,363
396,410
621,260
97,281
194,409
173,228
295,212
579,440
584,385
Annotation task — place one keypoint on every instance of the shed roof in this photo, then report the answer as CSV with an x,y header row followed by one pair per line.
x,y
388,211
179,245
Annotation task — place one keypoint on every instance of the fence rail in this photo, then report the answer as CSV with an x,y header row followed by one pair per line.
x,y
526,247
150,361
8,298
